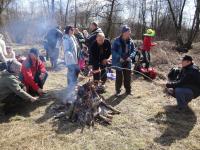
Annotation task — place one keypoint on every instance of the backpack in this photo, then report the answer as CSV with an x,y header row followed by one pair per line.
x,y
174,73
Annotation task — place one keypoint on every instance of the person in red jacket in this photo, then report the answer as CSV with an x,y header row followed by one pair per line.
x,y
147,44
34,73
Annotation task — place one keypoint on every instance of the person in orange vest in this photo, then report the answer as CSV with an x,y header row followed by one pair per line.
x,y
147,44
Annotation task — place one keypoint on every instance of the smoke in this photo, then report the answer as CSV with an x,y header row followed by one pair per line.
x,y
29,30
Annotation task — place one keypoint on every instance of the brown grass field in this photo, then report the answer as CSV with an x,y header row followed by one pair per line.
x,y
148,120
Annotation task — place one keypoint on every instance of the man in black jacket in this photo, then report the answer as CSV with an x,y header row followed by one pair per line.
x,y
187,85
99,55
92,37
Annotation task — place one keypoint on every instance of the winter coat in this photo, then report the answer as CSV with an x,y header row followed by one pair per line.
x,y
9,84
122,50
52,37
29,72
80,38
188,78
147,43
99,53
71,48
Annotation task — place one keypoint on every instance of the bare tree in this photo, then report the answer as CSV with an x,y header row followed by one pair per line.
x,y
4,4
75,17
66,12
195,26
53,8
110,17
177,20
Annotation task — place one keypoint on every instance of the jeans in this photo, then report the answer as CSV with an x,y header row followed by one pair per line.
x,y
183,96
72,75
39,82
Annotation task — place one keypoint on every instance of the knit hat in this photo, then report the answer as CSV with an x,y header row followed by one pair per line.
x,y
187,58
150,32
35,51
125,28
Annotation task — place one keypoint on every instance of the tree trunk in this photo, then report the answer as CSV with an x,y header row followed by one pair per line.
x,y
75,19
177,23
195,26
53,8
109,20
66,12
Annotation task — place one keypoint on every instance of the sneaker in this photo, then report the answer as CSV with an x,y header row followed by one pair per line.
x,y
128,93
117,94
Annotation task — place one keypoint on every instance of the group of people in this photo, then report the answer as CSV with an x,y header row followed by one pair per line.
x,y
21,80
27,79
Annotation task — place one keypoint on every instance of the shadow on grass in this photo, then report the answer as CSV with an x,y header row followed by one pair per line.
x,y
179,124
64,125
13,105
114,101
61,125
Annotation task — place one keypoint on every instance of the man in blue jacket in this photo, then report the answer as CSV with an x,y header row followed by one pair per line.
x,y
123,51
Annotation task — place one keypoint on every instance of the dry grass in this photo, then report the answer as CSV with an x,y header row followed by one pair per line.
x,y
145,122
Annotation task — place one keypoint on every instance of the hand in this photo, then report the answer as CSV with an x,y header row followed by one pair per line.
x,y
33,99
129,59
42,76
104,62
40,91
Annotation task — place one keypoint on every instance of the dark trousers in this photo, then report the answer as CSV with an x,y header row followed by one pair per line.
x,y
183,96
102,75
146,58
120,76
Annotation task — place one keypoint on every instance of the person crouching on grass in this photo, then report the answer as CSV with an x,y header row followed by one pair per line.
x,y
123,51
11,85
99,54
187,85
34,74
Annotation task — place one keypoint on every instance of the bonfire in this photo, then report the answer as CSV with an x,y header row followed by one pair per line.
x,y
89,107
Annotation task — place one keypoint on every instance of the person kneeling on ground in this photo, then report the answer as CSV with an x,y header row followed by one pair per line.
x,y
10,84
123,51
99,55
187,84
34,73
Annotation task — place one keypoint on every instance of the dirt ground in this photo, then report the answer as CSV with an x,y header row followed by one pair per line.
x,y
148,120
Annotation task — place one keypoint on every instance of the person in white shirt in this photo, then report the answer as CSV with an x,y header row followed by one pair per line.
x,y
6,53
71,48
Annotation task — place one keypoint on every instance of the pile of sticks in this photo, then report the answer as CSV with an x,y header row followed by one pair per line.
x,y
89,107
